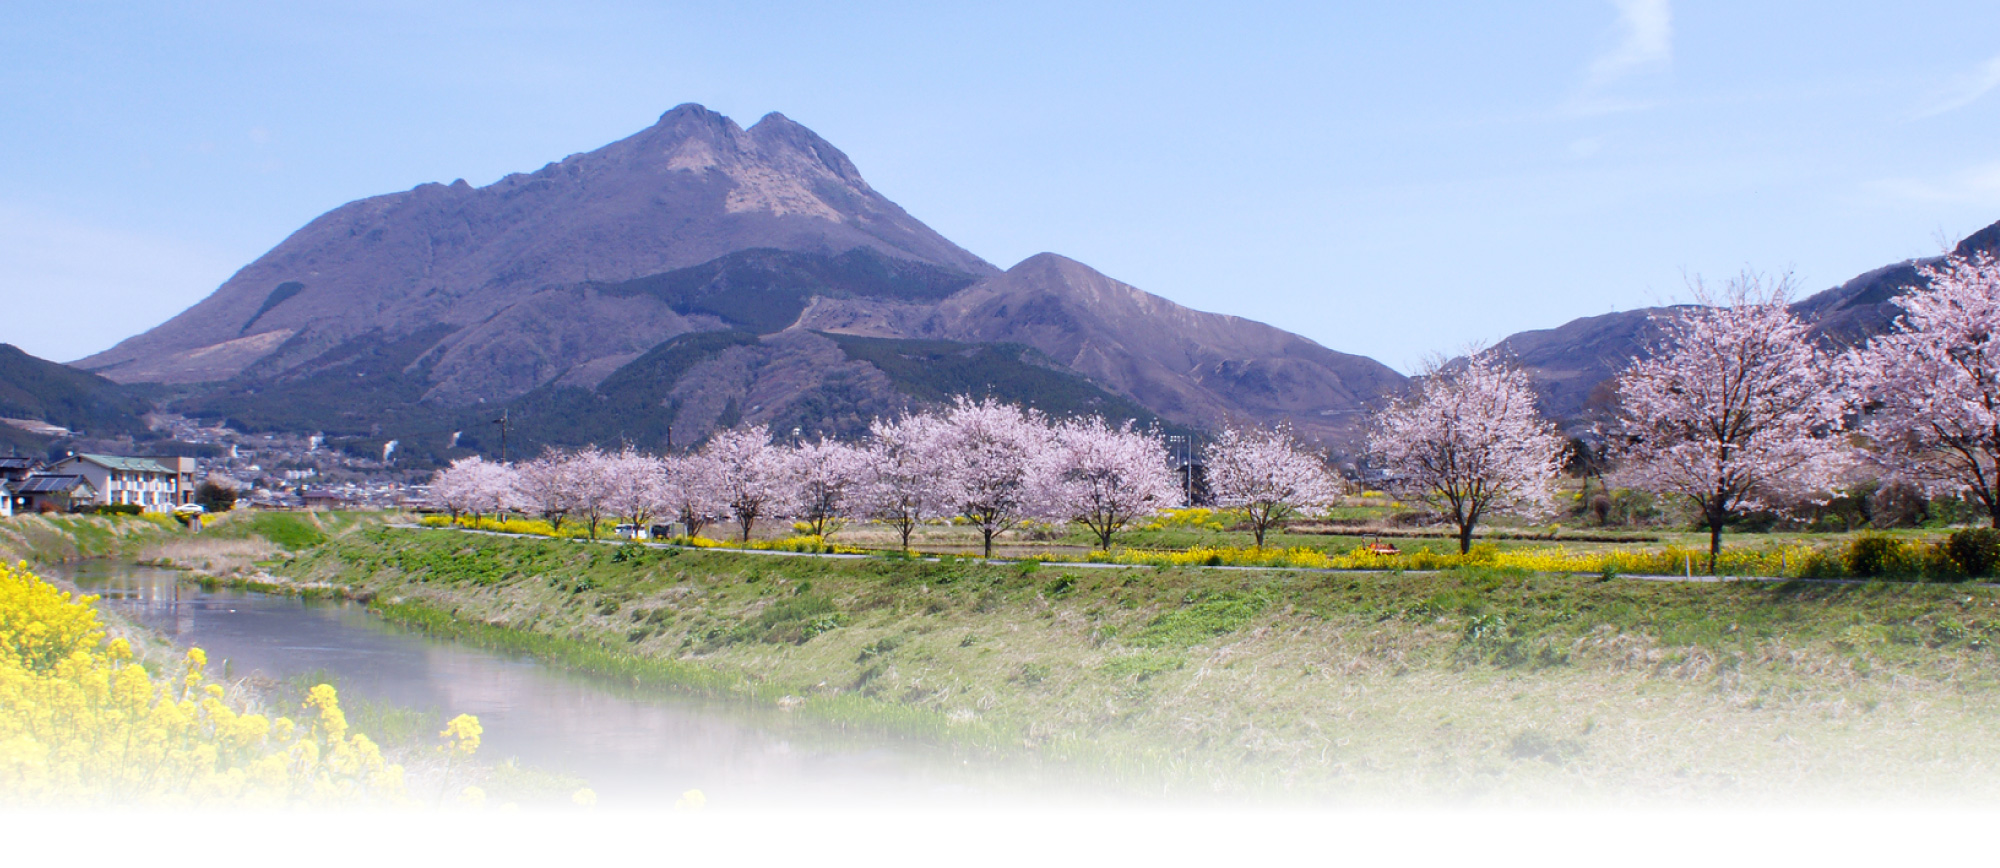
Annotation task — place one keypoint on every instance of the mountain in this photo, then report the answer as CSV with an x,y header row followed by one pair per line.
x,y
1573,365
690,276
38,390
1200,368
515,270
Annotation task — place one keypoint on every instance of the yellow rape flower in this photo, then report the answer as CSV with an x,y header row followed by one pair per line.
x,y
463,733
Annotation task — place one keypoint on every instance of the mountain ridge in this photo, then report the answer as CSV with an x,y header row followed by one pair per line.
x,y
1573,365
389,314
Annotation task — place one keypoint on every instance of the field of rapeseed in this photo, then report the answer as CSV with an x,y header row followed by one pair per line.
x,y
83,722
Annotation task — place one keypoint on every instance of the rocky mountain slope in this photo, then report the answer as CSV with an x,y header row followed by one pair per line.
x,y
411,315
1573,365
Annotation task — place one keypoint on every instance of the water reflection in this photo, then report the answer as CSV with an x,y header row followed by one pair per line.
x,y
630,743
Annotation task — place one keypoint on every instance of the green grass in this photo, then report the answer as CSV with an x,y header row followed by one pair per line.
x,y
291,530
1480,684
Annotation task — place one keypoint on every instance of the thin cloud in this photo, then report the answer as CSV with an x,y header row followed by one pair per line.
x,y
1645,45
1965,89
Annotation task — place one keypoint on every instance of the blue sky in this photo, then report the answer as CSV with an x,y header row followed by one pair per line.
x,y
1387,179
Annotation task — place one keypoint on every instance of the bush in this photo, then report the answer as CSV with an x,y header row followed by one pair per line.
x,y
1868,554
214,497
1976,551
110,509
1872,556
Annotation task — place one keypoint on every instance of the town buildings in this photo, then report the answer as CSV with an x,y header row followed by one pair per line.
x,y
152,484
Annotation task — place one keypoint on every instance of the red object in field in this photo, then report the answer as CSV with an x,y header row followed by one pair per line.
x,y
1381,548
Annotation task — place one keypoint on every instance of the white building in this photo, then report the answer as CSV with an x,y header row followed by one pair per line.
x,y
153,484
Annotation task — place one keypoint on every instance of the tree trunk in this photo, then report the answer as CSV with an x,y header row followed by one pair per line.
x,y
1714,540
986,537
1465,539
746,522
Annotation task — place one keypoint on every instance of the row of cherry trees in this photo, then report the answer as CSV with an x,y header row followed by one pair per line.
x,y
990,464
1737,407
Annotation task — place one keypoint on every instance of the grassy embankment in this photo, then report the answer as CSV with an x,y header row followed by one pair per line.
x,y
232,544
1478,685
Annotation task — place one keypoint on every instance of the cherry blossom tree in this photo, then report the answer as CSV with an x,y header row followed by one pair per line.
x,y
824,478
1468,442
903,482
637,486
1735,408
547,488
456,488
1267,473
692,491
494,489
752,475
997,460
1932,386
591,479
1107,477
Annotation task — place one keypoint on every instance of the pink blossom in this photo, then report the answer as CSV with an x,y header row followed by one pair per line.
x,y
996,460
475,487
637,486
824,477
547,488
903,482
1735,409
692,491
1106,477
592,480
1932,386
752,475
1469,441
1269,475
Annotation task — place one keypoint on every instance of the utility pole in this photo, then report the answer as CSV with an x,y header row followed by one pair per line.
x,y
502,422
1187,467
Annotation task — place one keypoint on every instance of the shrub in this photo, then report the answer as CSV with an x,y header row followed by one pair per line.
x,y
1975,551
215,497
111,509
1874,556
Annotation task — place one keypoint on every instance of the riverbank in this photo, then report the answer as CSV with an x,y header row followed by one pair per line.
x,y
1476,686
234,544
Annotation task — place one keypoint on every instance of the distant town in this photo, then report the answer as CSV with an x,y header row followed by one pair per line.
x,y
268,471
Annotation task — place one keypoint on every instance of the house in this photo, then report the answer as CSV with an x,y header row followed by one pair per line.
x,y
322,499
14,468
6,498
53,492
154,484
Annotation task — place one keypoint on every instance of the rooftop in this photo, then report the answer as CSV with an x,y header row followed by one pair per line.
x,y
120,462
47,483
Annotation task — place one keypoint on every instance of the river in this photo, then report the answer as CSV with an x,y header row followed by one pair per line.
x,y
633,745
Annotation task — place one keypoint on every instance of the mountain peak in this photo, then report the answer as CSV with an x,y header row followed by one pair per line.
x,y
690,111
776,131
690,189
